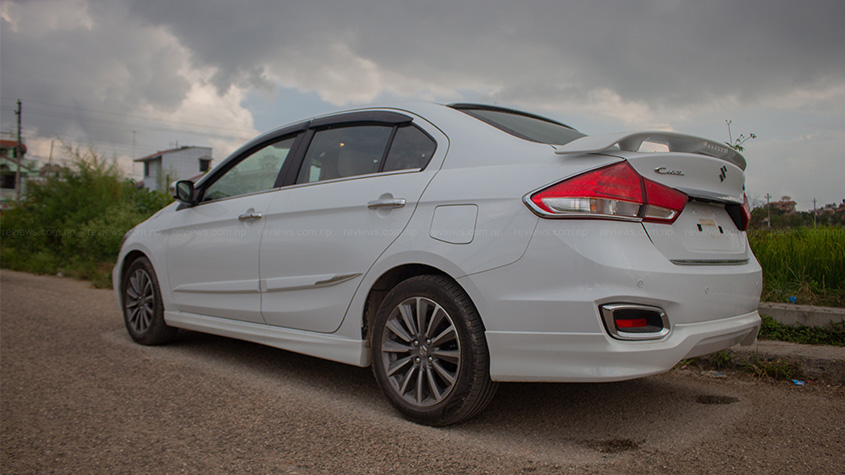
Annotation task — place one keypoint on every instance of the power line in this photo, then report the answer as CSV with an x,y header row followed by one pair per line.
x,y
150,119
128,125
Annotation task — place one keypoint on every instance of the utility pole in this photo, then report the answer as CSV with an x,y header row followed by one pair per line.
x,y
18,156
814,213
768,211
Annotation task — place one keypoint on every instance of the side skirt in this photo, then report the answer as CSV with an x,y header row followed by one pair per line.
x,y
329,347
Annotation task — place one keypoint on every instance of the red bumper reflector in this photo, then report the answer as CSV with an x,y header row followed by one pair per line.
x,y
632,323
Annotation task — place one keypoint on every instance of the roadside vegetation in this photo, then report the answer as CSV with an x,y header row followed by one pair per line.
x,y
778,369
805,263
73,224
832,334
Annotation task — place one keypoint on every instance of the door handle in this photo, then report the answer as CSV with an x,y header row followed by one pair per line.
x,y
389,203
250,216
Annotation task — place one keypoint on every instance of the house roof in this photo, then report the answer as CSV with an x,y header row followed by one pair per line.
x,y
11,143
153,156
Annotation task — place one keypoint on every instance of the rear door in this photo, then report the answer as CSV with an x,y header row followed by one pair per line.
x,y
352,196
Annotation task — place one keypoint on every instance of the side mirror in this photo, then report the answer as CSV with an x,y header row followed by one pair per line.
x,y
183,191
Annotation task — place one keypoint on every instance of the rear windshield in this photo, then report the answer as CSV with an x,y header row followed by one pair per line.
x,y
522,125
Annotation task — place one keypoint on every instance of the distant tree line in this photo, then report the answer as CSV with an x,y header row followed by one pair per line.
x,y
784,219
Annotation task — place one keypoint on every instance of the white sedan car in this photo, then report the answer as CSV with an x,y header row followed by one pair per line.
x,y
453,246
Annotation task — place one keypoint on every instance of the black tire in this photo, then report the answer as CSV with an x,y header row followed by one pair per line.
x,y
143,311
437,375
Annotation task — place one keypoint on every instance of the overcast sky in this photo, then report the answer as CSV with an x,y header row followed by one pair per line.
x,y
137,76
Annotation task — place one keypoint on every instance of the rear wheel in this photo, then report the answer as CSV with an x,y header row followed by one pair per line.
x,y
430,356
143,311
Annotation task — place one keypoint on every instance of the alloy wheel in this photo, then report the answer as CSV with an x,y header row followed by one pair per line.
x,y
421,351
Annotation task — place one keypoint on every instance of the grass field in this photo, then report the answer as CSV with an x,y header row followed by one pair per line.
x,y
805,263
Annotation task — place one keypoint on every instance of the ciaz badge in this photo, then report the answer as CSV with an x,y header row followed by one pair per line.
x,y
666,171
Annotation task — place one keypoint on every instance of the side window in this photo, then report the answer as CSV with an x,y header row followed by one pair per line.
x,y
411,148
257,172
343,152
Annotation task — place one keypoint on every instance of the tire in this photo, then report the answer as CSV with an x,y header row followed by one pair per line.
x,y
429,353
143,311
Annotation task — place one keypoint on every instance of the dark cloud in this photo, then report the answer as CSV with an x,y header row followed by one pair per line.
x,y
110,66
664,51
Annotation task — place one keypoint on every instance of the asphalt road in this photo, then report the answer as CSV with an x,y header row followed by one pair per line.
x,y
78,395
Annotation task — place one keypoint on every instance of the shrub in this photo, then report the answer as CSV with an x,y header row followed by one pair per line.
x,y
74,223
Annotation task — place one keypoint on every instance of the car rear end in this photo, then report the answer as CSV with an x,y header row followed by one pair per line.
x,y
637,261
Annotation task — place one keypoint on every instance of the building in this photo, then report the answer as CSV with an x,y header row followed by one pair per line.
x,y
9,166
166,166
833,208
786,204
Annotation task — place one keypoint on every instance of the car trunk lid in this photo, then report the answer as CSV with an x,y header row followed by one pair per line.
x,y
711,174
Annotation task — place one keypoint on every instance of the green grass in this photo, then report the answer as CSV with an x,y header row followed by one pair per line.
x,y
805,263
833,334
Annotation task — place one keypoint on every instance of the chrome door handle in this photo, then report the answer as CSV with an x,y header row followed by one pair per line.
x,y
390,203
250,216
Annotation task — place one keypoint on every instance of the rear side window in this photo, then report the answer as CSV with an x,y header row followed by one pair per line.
x,y
344,152
522,125
411,148
355,150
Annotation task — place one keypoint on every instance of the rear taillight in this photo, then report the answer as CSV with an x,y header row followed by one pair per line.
x,y
740,213
613,192
746,212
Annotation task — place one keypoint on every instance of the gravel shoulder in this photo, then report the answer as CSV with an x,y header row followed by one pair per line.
x,y
77,395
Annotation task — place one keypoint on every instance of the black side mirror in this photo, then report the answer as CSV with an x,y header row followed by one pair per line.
x,y
183,191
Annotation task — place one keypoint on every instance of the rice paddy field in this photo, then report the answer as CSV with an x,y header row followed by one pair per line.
x,y
807,264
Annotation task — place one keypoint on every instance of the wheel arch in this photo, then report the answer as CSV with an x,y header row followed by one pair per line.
x,y
128,259
386,282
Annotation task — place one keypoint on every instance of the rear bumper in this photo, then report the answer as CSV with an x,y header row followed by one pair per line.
x,y
542,313
595,357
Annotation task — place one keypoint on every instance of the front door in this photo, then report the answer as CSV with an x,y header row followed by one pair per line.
x,y
213,247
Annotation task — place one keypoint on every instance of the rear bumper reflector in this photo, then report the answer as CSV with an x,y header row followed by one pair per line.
x,y
635,322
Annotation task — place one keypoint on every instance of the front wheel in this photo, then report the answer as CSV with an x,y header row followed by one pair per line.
x,y
430,356
143,310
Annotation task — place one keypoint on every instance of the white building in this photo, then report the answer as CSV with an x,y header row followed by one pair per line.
x,y
166,166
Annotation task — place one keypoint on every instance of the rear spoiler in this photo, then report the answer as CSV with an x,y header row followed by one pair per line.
x,y
631,141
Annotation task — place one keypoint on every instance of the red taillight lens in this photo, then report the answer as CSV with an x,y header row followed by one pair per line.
x,y
615,191
662,203
746,212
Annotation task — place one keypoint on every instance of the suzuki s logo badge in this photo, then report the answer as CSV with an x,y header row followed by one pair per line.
x,y
723,173
666,171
